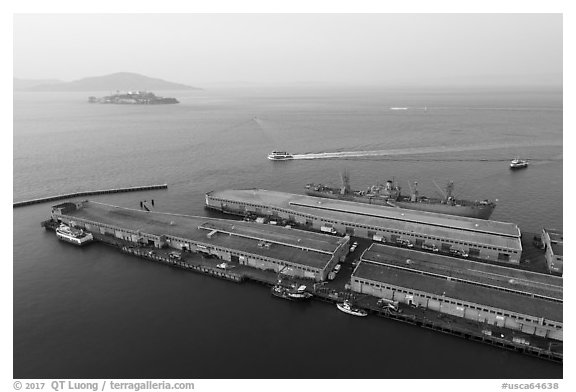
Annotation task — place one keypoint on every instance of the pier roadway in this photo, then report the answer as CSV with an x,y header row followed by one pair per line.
x,y
275,234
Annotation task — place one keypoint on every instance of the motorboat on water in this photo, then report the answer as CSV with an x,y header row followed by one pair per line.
x,y
518,163
73,235
347,307
280,156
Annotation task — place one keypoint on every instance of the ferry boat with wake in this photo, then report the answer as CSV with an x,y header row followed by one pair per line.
x,y
280,156
390,195
75,236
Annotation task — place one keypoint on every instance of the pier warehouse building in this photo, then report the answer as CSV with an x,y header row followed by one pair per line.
x,y
489,240
495,295
553,241
293,252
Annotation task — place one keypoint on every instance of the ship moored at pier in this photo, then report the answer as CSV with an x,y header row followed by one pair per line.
x,y
73,235
347,307
390,195
291,293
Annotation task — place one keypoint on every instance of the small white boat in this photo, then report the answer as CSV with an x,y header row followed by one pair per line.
x,y
280,156
346,307
72,235
518,163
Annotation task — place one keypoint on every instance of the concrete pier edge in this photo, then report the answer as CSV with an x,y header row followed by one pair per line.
x,y
89,193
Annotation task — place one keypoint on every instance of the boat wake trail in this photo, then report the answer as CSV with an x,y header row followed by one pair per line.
x,y
415,151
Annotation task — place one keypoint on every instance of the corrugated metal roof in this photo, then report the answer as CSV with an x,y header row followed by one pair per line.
x,y
459,291
505,278
472,231
300,247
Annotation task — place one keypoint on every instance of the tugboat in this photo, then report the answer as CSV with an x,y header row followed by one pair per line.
x,y
346,307
518,163
390,195
74,236
298,292
291,293
281,292
280,156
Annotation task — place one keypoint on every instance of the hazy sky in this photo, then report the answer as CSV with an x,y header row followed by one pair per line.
x,y
197,49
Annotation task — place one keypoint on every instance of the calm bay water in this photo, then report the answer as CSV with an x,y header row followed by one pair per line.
x,y
95,313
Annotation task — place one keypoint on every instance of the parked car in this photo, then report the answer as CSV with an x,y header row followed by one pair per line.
x,y
388,304
404,243
379,238
431,247
458,252
327,229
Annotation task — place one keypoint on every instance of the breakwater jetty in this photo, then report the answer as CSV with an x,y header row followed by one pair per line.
x,y
89,193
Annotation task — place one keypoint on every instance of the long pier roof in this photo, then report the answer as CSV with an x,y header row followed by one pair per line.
x,y
491,275
300,247
493,232
458,290
368,210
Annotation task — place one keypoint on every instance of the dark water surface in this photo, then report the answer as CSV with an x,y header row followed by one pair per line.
x,y
94,312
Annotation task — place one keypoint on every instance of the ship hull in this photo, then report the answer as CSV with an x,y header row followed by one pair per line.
x,y
300,296
477,211
71,239
281,159
353,312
